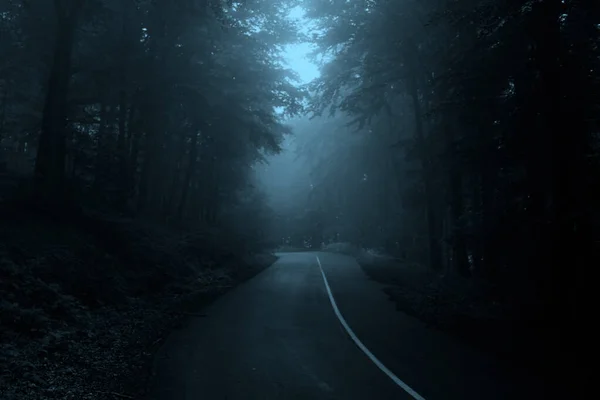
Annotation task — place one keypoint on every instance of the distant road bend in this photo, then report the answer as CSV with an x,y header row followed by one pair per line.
x,y
312,326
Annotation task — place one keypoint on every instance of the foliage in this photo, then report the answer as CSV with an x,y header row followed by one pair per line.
x,y
462,137
129,131
86,297
167,113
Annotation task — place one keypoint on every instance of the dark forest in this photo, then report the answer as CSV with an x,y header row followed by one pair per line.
x,y
201,174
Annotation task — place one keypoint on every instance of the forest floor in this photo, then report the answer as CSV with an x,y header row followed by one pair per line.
x,y
472,311
85,301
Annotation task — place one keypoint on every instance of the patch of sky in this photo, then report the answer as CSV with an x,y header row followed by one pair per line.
x,y
296,55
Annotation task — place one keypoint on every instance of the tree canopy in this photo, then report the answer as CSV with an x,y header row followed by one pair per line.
x,y
146,107
465,136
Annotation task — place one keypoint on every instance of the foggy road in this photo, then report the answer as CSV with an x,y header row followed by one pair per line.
x,y
279,336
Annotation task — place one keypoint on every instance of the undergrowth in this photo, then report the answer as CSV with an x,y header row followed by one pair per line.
x,y
479,312
85,300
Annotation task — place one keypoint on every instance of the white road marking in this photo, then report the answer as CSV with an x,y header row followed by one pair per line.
x,y
360,344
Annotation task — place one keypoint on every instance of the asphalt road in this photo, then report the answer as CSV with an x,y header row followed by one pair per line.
x,y
279,336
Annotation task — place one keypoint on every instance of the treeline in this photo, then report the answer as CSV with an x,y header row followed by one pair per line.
x,y
128,134
477,145
147,108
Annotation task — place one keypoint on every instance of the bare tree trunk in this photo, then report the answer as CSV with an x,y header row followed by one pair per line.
x,y
149,200
134,133
101,141
487,209
460,261
177,180
565,82
189,174
50,160
129,129
432,222
476,243
3,108
122,142
122,153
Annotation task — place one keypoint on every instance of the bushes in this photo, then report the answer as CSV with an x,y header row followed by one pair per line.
x,y
342,248
30,305
473,310
361,254
86,295
63,276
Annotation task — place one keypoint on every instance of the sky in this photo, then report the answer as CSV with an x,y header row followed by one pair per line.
x,y
281,169
296,55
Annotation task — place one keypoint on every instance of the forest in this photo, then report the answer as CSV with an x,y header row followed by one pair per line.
x,y
155,154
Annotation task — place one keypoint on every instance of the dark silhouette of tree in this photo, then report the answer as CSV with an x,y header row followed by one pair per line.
x,y
488,111
146,108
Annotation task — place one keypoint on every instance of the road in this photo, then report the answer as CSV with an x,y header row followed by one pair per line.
x,y
279,336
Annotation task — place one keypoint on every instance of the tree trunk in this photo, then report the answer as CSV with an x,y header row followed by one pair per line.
x,y
490,260
177,179
129,128
101,142
189,175
155,110
476,243
566,96
51,152
128,136
553,170
134,134
3,108
122,152
432,223
145,174
122,142
459,246
460,261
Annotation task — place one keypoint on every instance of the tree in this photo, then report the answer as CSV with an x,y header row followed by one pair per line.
x,y
500,181
51,155
165,116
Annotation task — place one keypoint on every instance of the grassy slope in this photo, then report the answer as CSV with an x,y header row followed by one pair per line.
x,y
85,302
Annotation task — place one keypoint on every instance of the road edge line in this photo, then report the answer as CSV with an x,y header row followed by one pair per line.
x,y
360,344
